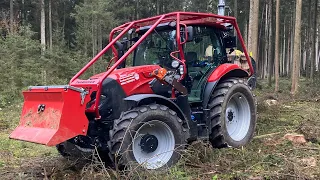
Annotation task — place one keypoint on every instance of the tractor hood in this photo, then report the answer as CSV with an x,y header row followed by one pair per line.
x,y
133,80
119,73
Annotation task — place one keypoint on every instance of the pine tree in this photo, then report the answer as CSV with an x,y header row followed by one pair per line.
x,y
297,40
253,28
276,51
43,25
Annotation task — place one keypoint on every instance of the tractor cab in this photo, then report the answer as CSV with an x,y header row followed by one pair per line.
x,y
204,49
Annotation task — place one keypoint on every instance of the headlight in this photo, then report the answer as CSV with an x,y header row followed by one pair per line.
x,y
181,69
175,64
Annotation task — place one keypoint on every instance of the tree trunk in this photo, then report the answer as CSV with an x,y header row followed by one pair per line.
x,y
308,46
64,18
158,7
270,60
253,30
43,26
291,45
100,37
94,41
297,39
137,9
236,14
288,51
284,73
282,57
317,51
50,26
11,16
23,13
304,53
276,50
245,34
314,47
86,25
265,44
236,9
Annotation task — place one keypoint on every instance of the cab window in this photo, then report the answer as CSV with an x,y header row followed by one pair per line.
x,y
206,46
156,49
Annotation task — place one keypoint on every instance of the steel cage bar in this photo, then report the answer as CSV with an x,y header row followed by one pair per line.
x,y
101,53
118,62
178,17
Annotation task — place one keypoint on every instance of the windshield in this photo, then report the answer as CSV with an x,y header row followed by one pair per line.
x,y
156,49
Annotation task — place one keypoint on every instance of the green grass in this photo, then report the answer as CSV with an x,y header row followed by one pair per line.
x,y
268,156
13,151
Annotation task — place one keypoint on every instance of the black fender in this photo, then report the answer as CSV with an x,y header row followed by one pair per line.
x,y
252,81
144,99
210,86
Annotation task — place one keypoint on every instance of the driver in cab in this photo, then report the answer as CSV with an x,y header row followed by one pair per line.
x,y
209,53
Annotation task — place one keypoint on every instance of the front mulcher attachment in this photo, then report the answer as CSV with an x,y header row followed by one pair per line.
x,y
52,115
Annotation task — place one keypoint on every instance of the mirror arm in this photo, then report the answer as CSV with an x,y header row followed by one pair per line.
x,y
185,33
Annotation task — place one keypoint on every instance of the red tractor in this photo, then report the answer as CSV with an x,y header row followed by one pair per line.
x,y
171,83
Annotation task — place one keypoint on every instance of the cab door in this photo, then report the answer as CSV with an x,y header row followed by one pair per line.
x,y
203,54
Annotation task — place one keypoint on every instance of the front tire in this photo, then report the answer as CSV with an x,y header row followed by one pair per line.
x,y
150,135
232,113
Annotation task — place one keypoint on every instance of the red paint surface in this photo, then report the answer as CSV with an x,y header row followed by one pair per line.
x,y
126,77
63,117
221,71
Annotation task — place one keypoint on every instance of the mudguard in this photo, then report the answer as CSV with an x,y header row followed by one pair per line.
x,y
141,99
224,69
221,72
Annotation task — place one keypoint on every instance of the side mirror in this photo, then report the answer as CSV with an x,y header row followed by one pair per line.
x,y
121,48
190,33
119,45
130,31
124,42
230,41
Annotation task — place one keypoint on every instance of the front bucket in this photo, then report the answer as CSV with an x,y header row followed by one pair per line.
x,y
52,115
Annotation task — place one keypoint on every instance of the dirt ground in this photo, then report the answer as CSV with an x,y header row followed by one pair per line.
x,y
268,156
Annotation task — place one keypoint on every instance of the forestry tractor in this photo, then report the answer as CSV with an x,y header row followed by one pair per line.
x,y
173,81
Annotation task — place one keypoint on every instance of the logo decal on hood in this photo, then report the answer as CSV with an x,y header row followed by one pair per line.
x,y
128,78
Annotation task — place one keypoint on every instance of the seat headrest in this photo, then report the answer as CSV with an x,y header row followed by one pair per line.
x,y
191,56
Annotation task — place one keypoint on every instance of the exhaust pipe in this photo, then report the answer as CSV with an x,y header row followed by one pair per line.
x,y
221,7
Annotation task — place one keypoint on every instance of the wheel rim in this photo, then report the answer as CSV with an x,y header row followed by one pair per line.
x,y
237,117
153,144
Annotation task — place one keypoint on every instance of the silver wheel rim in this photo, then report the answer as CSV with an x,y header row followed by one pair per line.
x,y
238,116
160,155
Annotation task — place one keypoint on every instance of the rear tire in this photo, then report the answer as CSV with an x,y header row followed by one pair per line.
x,y
232,113
150,135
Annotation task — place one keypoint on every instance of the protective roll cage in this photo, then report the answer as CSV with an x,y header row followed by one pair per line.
x,y
182,19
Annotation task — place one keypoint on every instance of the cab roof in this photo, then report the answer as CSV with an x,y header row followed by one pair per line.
x,y
187,18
